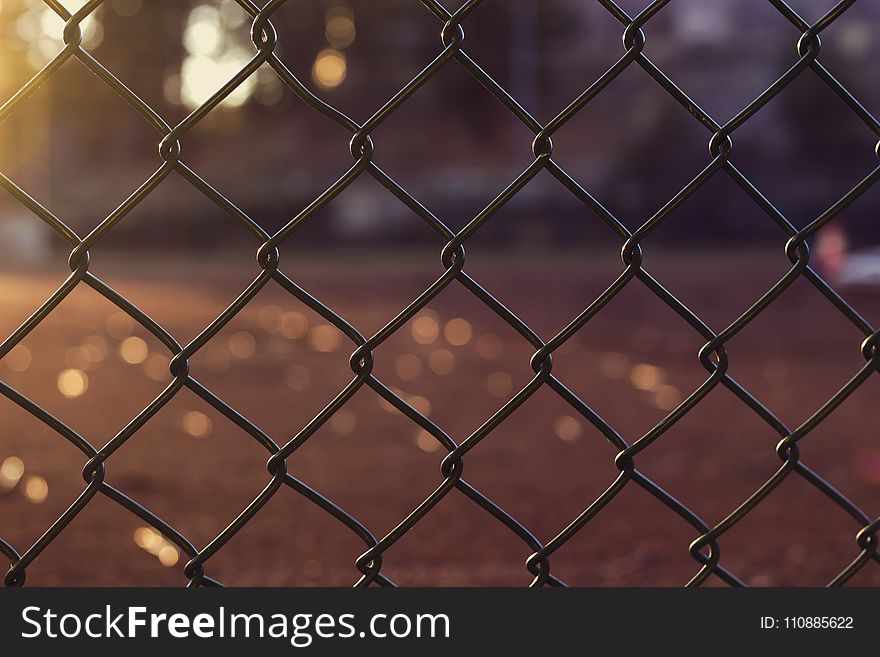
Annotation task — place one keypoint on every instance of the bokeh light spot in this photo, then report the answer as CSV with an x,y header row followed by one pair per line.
x,y
499,384
441,361
458,332
426,442
646,377
18,359
567,428
324,338
241,345
197,424
329,69
36,489
408,367
72,383
133,350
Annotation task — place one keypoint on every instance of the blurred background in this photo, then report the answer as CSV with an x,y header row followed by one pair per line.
x,y
80,150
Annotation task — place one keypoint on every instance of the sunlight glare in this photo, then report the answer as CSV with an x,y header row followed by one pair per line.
x,y
204,32
201,77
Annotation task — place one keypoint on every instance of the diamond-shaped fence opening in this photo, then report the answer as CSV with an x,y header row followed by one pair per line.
x,y
425,382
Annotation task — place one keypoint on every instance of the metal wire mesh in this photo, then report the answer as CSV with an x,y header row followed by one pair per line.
x,y
451,52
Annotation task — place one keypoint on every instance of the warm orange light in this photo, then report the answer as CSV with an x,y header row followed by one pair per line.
x,y
329,69
441,361
134,350
36,489
426,442
293,325
168,555
408,367
97,348
343,421
197,424
499,384
613,365
425,329
297,377
156,367
72,383
489,346
150,540
18,359
567,428
667,398
421,404
646,377
241,345
11,471
324,338
119,325
269,318
458,332
340,30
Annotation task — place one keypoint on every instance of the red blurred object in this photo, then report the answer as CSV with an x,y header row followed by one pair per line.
x,y
831,249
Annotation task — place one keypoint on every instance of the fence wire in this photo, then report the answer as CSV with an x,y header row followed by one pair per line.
x,y
451,51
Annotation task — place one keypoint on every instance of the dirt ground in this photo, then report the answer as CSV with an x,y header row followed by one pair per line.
x,y
278,364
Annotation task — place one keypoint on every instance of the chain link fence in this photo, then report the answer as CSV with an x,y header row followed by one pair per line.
x,y
452,51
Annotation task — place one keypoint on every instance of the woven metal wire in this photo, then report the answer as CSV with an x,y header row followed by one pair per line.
x,y
268,271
